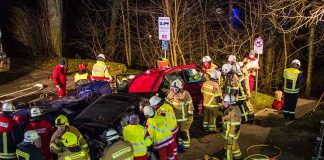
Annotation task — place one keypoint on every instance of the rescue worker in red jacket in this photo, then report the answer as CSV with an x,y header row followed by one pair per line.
x,y
7,124
161,135
83,76
59,78
208,65
100,69
43,128
252,67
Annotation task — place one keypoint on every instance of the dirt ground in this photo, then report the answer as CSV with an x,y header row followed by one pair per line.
x,y
297,142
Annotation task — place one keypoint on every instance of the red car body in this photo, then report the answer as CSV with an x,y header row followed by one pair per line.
x,y
158,80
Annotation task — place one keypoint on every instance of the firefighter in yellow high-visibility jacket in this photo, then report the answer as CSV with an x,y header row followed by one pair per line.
x,y
100,69
212,100
231,125
181,102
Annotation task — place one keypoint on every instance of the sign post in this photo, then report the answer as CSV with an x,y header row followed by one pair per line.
x,y
258,47
164,32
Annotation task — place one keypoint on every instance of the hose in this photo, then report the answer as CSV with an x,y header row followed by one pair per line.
x,y
262,155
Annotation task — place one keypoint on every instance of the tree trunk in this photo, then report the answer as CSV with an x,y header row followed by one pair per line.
x,y
129,59
111,46
55,11
311,40
285,50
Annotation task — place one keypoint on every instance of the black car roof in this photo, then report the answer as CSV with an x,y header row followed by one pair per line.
x,y
106,110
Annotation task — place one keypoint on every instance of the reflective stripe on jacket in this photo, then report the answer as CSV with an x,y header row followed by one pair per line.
x,y
100,71
181,103
78,155
135,134
160,134
211,91
232,123
291,77
84,76
120,150
167,110
7,145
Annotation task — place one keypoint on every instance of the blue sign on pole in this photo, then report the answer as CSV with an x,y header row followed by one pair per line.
x,y
164,45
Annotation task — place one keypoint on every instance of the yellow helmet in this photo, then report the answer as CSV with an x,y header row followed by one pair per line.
x,y
61,120
69,139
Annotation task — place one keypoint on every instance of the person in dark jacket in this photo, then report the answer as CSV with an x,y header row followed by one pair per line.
x,y
29,149
59,78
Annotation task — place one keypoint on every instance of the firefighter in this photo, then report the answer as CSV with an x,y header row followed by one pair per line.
x,y
43,128
208,65
162,138
63,125
244,94
100,69
136,134
252,67
181,102
83,76
59,78
73,151
232,83
7,125
235,66
29,149
292,82
194,76
165,109
117,149
212,99
231,125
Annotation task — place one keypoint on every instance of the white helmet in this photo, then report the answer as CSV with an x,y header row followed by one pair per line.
x,y
206,59
226,68
231,58
215,74
177,84
35,111
154,100
148,111
229,98
31,136
8,107
111,134
296,61
192,72
102,56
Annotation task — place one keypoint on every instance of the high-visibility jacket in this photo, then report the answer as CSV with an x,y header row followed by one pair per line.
x,y
231,123
231,85
158,129
76,154
138,137
181,103
84,76
120,150
209,68
7,144
57,147
100,71
242,90
212,94
244,81
252,65
291,83
45,131
29,152
167,111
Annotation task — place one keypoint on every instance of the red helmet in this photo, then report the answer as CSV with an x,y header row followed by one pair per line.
x,y
82,67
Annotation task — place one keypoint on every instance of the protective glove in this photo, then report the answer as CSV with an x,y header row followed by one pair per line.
x,y
58,87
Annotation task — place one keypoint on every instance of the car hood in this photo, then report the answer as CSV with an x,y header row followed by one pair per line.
x,y
108,110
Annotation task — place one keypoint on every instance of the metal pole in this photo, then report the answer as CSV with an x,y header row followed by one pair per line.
x,y
256,79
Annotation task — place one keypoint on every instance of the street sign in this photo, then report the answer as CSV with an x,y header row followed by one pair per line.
x,y
164,45
164,28
258,45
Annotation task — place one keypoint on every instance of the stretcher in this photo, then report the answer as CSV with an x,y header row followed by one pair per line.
x,y
22,93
